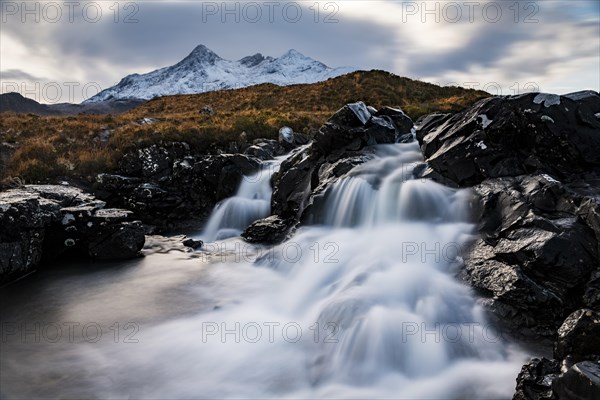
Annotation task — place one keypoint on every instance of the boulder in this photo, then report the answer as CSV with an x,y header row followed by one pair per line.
x,y
402,121
579,336
192,243
292,185
535,253
265,149
49,221
154,162
535,380
574,373
116,241
354,127
580,382
270,230
514,135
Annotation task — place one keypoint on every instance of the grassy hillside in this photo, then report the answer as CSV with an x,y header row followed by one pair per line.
x,y
83,145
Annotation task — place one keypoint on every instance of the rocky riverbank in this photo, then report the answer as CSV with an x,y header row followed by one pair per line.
x,y
44,222
534,163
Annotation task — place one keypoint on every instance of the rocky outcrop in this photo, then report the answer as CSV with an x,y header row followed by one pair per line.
x,y
355,126
574,373
49,221
536,252
534,163
165,186
515,135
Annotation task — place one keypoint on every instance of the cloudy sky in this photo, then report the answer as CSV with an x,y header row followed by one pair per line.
x,y
67,50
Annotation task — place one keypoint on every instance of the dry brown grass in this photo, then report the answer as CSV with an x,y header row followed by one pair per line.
x,y
70,146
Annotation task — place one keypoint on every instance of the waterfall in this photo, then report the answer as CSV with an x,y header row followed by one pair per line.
x,y
361,304
251,202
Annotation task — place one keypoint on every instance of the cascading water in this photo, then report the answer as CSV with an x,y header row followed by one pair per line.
x,y
251,202
360,304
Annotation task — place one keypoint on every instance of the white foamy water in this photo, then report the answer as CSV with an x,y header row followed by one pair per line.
x,y
251,202
361,304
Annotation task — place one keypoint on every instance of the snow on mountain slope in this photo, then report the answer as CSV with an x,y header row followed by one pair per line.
x,y
202,70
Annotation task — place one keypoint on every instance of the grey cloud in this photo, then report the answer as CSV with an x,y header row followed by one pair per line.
x,y
17,74
493,43
167,32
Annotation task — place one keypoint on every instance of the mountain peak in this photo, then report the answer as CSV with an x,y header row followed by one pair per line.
x,y
292,53
202,53
203,70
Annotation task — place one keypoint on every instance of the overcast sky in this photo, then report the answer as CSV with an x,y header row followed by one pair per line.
x,y
66,51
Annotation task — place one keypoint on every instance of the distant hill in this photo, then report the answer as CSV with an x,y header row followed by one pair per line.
x,y
15,102
376,88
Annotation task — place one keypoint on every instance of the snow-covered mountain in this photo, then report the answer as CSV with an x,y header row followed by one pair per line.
x,y
203,70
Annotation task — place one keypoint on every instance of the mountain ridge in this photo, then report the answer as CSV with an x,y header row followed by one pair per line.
x,y
202,70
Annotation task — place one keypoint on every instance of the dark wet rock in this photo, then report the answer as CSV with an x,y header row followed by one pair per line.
x,y
48,221
580,382
514,135
535,253
574,373
428,123
261,152
116,241
354,127
289,139
579,336
166,244
589,98
591,294
265,149
535,380
401,121
192,243
224,172
270,230
292,185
